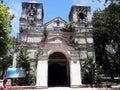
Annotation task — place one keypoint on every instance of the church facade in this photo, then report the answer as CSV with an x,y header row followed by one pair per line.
x,y
55,60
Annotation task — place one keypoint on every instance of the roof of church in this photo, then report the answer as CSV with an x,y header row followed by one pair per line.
x,y
55,19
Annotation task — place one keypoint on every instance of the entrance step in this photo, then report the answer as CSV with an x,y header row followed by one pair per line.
x,y
55,88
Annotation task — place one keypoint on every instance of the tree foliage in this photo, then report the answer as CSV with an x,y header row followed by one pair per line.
x,y
106,32
5,29
91,71
4,64
69,27
5,39
111,1
23,59
24,62
45,33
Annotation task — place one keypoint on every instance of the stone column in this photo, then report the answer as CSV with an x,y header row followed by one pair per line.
x,y
75,74
14,60
42,74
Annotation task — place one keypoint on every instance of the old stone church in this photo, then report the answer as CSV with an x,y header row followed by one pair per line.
x,y
55,61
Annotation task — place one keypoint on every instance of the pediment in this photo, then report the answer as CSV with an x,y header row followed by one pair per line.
x,y
56,22
56,39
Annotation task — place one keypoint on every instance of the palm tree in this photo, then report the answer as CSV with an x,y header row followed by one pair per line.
x,y
23,59
91,71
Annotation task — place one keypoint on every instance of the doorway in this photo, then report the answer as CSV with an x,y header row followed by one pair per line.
x,y
58,70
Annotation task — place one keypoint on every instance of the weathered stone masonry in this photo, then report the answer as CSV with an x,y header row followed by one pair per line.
x,y
58,62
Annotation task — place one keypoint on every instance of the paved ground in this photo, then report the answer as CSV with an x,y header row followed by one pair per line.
x,y
117,87
67,88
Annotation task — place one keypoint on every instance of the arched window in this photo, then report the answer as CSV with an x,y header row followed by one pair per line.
x,y
58,22
81,15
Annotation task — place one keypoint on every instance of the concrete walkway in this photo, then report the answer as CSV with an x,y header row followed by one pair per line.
x,y
117,87
67,88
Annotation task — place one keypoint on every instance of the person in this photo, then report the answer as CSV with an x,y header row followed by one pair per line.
x,y
3,85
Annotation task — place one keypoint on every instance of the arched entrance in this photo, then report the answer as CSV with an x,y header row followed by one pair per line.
x,y
58,70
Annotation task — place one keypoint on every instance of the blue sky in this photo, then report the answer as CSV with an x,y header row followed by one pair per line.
x,y
52,9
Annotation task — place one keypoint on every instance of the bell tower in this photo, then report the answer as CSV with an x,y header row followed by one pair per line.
x,y
80,14
32,16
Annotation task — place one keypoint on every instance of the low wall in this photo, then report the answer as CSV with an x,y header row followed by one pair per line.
x,y
60,88
20,87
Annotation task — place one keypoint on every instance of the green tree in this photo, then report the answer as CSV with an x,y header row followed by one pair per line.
x,y
106,31
69,27
91,71
5,45
100,35
5,29
113,23
4,64
24,61
6,61
106,1
45,33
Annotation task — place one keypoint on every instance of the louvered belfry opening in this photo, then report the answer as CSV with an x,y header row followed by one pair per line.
x,y
58,70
